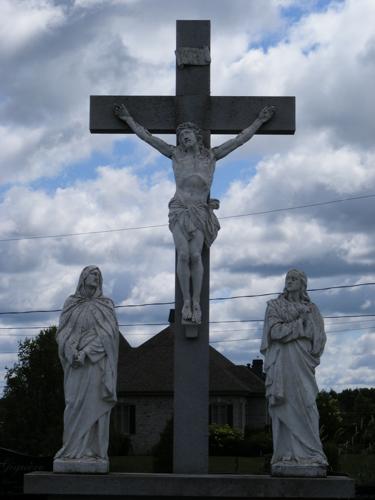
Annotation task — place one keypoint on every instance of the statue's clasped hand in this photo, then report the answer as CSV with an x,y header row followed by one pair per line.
x,y
78,359
304,313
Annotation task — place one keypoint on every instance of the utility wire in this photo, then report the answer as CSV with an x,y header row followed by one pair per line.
x,y
298,207
103,231
250,339
247,296
211,322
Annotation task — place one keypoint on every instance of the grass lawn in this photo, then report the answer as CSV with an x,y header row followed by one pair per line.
x,y
359,467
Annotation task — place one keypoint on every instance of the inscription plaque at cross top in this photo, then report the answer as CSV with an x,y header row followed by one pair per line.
x,y
169,114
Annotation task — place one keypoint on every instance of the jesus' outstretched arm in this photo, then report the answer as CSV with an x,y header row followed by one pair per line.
x,y
227,147
121,111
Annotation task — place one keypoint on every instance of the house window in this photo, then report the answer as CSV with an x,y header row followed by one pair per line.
x,y
221,414
124,418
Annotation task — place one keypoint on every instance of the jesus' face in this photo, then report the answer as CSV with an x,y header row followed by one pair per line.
x,y
188,138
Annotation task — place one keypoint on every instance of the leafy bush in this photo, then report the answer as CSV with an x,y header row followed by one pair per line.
x,y
224,440
257,443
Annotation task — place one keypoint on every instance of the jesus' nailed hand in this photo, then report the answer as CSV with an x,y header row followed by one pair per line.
x,y
191,217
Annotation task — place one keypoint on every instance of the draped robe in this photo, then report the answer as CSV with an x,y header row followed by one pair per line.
x,y
90,390
292,351
193,216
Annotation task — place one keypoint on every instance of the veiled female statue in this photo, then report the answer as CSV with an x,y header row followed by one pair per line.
x,y
293,341
88,339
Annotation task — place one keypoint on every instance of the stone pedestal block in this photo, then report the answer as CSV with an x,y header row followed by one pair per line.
x,y
141,486
299,470
77,466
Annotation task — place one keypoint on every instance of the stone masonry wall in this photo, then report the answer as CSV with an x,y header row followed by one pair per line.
x,y
256,412
151,416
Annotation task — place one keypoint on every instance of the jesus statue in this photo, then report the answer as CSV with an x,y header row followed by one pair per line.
x,y
191,217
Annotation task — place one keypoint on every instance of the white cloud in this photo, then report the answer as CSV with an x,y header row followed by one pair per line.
x,y
23,22
93,47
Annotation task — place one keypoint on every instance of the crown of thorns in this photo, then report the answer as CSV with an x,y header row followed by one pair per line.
x,y
189,126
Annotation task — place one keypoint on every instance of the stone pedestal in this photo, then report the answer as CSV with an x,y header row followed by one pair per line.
x,y
77,466
285,470
139,486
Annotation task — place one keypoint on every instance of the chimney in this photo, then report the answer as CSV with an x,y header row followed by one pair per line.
x,y
171,317
257,367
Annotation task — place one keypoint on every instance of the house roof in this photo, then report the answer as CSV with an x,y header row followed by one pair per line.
x,y
148,368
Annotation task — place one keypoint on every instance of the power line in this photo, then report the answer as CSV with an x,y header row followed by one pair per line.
x,y
134,228
250,339
83,233
233,297
229,321
298,207
309,290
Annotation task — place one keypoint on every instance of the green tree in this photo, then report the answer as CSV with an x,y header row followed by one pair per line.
x,y
358,410
330,417
33,403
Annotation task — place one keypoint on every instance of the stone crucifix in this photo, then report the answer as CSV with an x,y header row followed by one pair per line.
x,y
192,115
191,217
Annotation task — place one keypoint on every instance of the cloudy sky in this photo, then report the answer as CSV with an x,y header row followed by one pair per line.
x,y
57,178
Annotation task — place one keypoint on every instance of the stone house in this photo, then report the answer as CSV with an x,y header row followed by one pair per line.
x,y
145,391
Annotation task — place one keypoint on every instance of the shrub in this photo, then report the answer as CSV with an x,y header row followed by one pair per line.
x,y
257,443
224,440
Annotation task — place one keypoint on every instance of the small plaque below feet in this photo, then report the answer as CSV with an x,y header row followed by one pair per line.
x,y
81,466
294,470
191,330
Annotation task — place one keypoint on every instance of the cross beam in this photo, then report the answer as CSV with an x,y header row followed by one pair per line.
x,y
219,115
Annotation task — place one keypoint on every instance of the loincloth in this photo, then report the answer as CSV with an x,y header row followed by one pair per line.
x,y
190,218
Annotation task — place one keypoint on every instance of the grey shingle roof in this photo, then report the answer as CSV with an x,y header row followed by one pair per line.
x,y
149,369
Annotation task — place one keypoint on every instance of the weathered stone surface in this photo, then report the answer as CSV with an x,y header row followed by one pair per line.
x,y
299,470
293,341
221,114
191,210
182,485
88,340
193,56
84,466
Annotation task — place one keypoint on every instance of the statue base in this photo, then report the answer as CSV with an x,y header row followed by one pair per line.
x,y
295,470
142,486
80,466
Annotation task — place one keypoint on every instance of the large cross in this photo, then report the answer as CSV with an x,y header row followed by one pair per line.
x,y
218,115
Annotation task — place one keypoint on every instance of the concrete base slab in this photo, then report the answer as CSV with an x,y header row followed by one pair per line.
x,y
286,470
206,486
80,466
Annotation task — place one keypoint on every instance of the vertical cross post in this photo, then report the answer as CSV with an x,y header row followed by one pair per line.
x,y
191,355
220,115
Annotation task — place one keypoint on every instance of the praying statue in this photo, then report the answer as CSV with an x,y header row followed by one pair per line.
x,y
293,342
191,210
88,342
